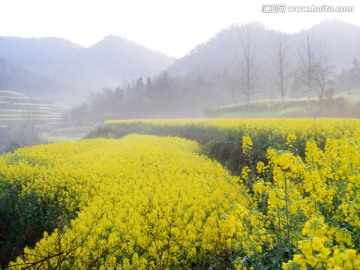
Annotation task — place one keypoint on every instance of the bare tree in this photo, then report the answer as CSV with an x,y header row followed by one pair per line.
x,y
281,64
31,121
323,79
248,69
315,71
308,53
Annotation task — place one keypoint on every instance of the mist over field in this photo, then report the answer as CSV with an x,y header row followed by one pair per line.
x,y
242,71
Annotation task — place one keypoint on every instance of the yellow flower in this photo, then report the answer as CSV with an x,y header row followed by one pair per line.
x,y
290,139
246,144
259,187
260,166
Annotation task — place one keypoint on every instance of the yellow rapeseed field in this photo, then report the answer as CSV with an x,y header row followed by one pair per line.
x,y
148,202
143,202
307,128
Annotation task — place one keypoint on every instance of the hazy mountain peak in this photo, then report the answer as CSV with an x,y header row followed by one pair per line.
x,y
114,59
328,23
341,40
113,40
107,63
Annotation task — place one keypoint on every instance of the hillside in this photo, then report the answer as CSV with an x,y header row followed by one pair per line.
x,y
211,76
222,50
339,39
110,61
18,107
45,56
23,119
15,77
81,70
210,80
218,62
341,42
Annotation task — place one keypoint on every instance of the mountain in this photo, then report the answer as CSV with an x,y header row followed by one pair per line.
x,y
209,76
341,42
107,63
114,59
44,56
218,63
221,50
339,39
15,77
213,75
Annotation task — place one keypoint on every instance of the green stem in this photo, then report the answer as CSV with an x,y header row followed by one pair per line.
x,y
287,216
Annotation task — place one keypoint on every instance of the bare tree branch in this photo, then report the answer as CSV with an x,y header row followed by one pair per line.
x,y
281,64
248,68
309,57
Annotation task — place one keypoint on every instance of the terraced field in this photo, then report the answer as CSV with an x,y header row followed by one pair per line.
x,y
16,107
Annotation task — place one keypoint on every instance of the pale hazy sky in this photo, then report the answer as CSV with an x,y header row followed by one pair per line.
x,y
173,27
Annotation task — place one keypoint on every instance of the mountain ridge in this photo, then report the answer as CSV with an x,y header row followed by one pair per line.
x,y
228,40
115,61
109,62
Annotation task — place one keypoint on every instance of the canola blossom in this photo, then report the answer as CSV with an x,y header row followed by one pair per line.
x,y
267,129
267,132
307,209
140,202
148,202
